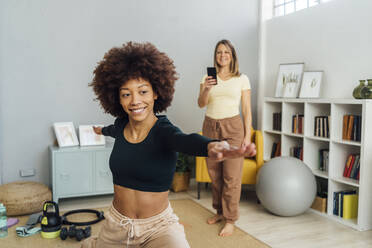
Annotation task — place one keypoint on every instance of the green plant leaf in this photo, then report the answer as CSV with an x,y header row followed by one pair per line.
x,y
184,162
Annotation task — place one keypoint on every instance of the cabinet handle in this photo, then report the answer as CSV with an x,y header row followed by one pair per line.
x,y
104,173
65,176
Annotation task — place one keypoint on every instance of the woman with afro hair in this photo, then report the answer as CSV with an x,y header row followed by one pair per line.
x,y
133,83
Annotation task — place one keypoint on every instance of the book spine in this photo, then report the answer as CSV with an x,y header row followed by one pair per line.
x,y
355,166
344,126
351,166
350,127
348,161
273,150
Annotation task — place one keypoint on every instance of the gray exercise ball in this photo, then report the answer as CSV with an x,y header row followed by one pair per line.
x,y
286,186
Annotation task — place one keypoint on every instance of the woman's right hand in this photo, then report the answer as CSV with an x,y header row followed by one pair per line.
x,y
209,82
97,130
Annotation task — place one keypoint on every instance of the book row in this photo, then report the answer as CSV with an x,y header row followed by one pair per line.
x,y
277,121
275,150
352,166
321,126
297,152
351,127
345,204
323,159
298,123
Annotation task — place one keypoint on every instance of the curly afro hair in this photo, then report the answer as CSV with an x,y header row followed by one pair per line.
x,y
134,61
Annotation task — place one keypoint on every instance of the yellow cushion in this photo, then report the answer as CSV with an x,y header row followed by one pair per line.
x,y
201,172
248,173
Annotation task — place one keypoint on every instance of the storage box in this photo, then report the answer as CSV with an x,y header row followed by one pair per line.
x,y
320,204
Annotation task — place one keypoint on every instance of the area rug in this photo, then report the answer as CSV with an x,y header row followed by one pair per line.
x,y
193,216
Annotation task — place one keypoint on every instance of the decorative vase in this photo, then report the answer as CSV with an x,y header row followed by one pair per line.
x,y
357,90
366,91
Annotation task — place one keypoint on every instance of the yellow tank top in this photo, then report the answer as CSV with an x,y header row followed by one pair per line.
x,y
225,97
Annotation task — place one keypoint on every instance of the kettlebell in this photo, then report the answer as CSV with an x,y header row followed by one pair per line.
x,y
51,221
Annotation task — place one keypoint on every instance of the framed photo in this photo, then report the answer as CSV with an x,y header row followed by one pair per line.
x,y
289,80
65,133
88,137
310,87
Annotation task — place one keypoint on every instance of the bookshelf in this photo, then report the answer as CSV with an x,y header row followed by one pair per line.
x,y
333,112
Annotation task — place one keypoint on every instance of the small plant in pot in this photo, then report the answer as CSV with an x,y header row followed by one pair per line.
x,y
181,178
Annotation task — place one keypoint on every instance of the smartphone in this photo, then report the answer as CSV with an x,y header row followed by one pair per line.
x,y
211,71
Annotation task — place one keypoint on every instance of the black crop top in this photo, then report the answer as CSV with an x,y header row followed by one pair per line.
x,y
150,164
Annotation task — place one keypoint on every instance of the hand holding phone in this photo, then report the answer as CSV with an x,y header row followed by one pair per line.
x,y
212,72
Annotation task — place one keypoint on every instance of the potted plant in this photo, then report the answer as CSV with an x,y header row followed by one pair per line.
x,y
181,178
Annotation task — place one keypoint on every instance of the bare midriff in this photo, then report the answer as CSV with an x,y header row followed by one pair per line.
x,y
136,204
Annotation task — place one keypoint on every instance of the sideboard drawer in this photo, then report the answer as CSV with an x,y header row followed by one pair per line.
x,y
103,174
74,173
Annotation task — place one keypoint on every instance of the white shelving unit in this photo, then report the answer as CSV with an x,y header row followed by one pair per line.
x,y
338,149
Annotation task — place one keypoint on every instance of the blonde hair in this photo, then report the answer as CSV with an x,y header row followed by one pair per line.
x,y
234,65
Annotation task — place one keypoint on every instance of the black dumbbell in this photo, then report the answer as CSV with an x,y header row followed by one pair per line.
x,y
72,231
87,231
64,233
82,233
79,233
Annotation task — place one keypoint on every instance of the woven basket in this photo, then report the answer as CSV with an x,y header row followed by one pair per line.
x,y
181,181
22,198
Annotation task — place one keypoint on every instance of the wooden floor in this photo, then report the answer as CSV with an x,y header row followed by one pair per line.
x,y
309,230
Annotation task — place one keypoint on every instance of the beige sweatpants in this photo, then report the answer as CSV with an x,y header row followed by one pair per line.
x,y
162,230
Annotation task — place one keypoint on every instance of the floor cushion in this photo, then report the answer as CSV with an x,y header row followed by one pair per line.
x,y
24,197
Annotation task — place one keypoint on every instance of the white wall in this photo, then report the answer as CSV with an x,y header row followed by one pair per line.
x,y
50,48
334,37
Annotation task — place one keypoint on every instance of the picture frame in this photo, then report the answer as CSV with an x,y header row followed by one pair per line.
x,y
311,83
88,137
289,79
65,133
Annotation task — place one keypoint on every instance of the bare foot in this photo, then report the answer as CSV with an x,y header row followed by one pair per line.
x,y
227,230
214,219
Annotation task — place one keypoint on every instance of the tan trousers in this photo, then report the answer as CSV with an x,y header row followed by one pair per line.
x,y
226,176
162,230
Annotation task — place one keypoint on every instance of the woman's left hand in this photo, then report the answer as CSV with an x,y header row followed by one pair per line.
x,y
250,151
246,141
220,151
252,147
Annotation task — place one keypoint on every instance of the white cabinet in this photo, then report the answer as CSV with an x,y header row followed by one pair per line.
x,y
102,175
80,171
339,149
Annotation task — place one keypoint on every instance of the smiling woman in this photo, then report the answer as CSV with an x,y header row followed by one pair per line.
x,y
137,98
223,121
134,61
133,83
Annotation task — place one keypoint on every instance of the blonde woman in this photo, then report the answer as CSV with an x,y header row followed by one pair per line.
x,y
223,122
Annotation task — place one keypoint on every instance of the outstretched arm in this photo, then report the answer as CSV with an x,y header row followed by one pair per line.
x,y
198,145
221,150
111,130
